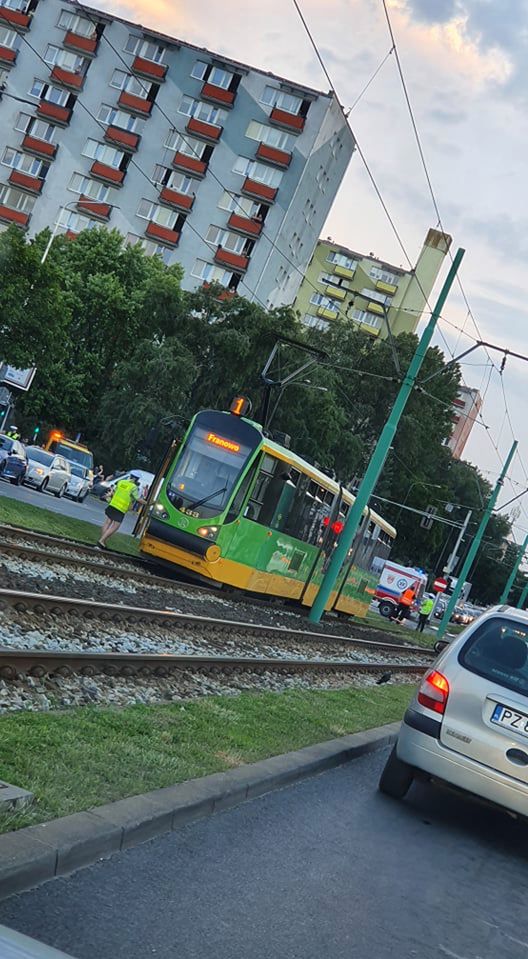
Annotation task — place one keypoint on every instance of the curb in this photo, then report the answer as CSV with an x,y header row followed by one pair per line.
x,y
33,855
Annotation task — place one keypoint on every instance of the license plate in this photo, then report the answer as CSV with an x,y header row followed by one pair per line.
x,y
510,718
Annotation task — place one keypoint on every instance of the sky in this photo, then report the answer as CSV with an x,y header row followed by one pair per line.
x,y
466,66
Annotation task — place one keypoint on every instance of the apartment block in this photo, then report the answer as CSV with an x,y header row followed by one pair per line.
x,y
367,291
466,409
227,169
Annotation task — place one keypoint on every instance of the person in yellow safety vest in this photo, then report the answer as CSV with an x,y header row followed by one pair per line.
x,y
13,433
404,605
425,611
125,494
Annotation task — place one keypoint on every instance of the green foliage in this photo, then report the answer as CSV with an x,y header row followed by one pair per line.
x,y
125,357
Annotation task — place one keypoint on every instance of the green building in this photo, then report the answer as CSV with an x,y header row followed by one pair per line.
x,y
368,291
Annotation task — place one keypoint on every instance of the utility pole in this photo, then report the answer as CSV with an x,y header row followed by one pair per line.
x,y
511,579
450,565
476,543
379,456
522,597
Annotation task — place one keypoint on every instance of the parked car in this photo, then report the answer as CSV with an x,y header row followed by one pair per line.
x,y
13,945
13,461
47,472
440,608
79,484
460,616
468,723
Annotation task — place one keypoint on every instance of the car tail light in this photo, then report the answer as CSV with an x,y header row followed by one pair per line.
x,y
434,691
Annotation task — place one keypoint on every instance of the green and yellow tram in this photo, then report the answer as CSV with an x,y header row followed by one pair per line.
x,y
232,506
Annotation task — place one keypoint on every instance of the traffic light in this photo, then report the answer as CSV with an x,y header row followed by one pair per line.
x,y
427,520
36,432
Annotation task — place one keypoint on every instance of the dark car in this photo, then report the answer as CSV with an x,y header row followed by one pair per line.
x,y
13,460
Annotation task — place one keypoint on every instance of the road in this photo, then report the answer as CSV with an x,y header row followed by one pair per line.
x,y
92,510
328,868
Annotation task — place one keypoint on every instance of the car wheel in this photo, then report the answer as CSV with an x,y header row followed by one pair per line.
x,y
16,481
387,609
43,486
81,499
60,492
396,778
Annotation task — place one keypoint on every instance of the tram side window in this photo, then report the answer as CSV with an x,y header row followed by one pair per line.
x,y
240,495
310,505
269,501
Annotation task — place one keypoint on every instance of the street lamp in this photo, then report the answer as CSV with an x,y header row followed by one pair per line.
x,y
58,224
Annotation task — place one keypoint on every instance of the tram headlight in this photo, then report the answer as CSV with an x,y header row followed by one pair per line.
x,y
208,532
159,511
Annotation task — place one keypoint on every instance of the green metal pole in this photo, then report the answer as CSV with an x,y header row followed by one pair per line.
x,y
380,453
522,598
475,544
518,560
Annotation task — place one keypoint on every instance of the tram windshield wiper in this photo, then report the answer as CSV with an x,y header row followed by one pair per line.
x,y
201,502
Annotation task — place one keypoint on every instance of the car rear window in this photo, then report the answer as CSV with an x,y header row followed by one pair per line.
x,y
498,650
39,456
5,443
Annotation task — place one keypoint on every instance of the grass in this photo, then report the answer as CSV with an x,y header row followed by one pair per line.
x,y
411,636
56,524
81,758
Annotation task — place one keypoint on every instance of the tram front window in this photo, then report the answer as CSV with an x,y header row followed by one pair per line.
x,y
206,472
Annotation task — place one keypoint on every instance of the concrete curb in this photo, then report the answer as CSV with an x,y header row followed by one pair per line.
x,y
33,855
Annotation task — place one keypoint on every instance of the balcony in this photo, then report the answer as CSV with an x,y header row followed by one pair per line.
x,y
290,121
206,131
233,260
129,141
191,165
7,56
215,94
100,211
108,174
30,183
162,233
134,104
224,295
40,148
327,314
16,17
259,190
278,157
374,307
147,68
388,288
7,215
84,44
245,225
51,111
68,78
180,201
344,271
336,292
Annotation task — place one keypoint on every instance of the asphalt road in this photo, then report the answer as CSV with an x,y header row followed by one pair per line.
x,y
92,510
328,868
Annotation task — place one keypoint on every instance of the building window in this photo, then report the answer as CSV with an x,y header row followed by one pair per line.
x,y
146,49
379,273
25,163
35,127
16,199
260,172
215,75
163,176
138,88
314,322
331,280
189,146
9,38
76,222
118,118
288,102
46,91
203,111
150,247
376,296
85,186
103,153
66,59
79,25
162,215
233,242
341,259
370,319
319,300
21,5
242,205
272,136
210,273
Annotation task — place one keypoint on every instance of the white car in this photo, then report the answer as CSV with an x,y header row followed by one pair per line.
x,y
108,486
13,945
47,471
79,484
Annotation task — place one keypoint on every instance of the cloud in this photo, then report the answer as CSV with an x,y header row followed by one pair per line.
x,y
447,116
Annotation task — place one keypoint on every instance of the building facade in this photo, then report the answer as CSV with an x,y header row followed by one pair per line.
x,y
466,409
367,291
223,168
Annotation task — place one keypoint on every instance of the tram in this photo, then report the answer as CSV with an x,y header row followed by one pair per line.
x,y
232,506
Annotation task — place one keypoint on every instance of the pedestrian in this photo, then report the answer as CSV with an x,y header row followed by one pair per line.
x,y
13,433
425,611
404,605
98,474
125,494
